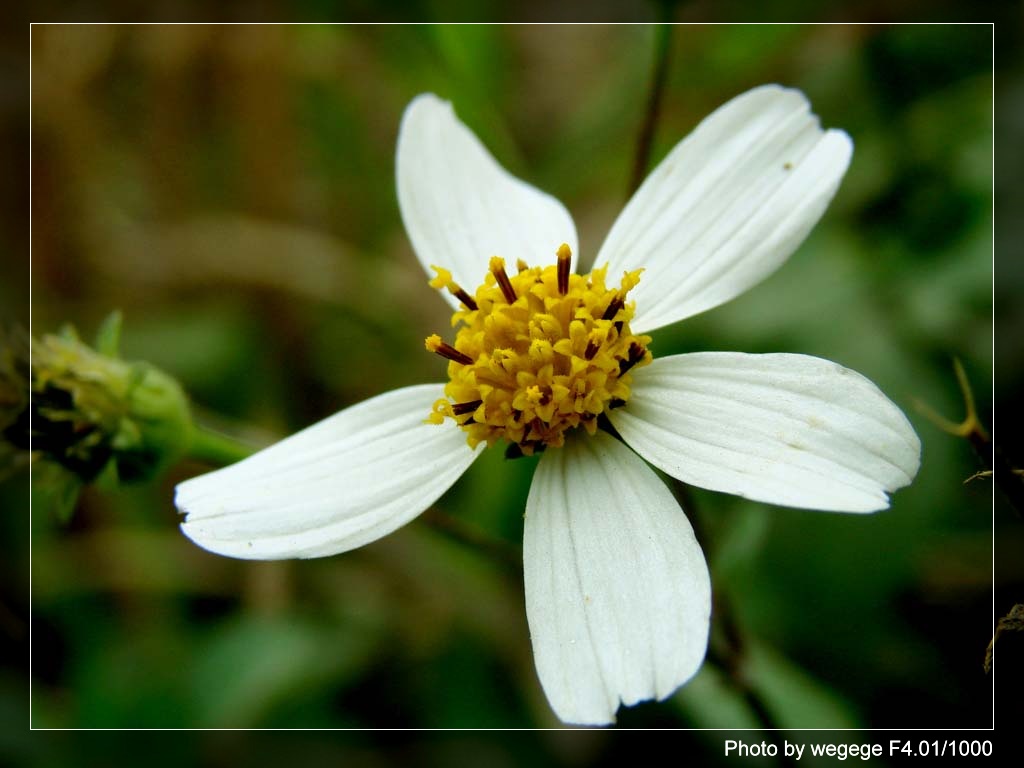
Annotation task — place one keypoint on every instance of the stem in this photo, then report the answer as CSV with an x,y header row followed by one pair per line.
x,y
730,655
731,660
1011,622
216,448
645,137
990,455
468,534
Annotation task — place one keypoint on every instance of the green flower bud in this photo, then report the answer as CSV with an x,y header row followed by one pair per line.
x,y
89,409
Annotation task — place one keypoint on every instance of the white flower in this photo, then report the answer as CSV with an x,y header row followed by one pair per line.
x,y
617,589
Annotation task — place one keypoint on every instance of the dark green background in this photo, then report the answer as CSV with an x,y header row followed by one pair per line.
x,y
231,189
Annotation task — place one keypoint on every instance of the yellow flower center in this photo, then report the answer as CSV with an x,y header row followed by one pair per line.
x,y
537,353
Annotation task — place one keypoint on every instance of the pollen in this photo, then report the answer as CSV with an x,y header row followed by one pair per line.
x,y
537,353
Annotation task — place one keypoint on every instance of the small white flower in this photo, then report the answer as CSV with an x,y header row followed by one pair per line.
x,y
617,590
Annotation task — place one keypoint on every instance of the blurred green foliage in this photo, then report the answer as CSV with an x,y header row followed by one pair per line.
x,y
231,190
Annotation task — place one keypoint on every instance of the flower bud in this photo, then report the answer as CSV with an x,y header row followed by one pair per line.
x,y
90,409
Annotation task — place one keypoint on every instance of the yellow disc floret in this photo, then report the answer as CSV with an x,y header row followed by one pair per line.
x,y
537,353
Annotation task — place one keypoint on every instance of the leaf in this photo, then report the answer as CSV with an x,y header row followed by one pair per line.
x,y
252,664
792,697
795,698
709,700
108,336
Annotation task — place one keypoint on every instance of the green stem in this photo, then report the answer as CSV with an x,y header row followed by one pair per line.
x,y
476,539
645,137
728,649
217,448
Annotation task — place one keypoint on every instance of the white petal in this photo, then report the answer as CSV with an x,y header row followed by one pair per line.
x,y
618,595
337,485
727,206
786,429
460,207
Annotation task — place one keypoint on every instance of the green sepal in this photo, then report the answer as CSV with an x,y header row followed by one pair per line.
x,y
108,336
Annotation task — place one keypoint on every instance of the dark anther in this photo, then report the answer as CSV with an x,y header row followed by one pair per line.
x,y
460,408
616,402
563,273
449,352
636,354
504,283
592,347
618,326
614,307
465,298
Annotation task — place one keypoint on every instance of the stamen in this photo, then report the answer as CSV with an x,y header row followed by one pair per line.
x,y
444,280
438,347
541,351
613,308
564,261
460,293
443,277
497,267
461,408
636,354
